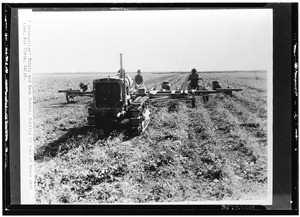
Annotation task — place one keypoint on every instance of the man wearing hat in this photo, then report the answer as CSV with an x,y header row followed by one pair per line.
x,y
138,79
193,79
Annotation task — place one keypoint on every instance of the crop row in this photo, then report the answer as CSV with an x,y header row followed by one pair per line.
x,y
216,151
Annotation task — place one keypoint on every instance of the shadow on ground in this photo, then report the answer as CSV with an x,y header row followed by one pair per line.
x,y
62,104
74,137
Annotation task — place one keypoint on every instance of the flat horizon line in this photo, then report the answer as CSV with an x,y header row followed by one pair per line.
x,y
156,72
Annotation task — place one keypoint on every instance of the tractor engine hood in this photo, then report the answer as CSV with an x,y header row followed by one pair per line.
x,y
109,93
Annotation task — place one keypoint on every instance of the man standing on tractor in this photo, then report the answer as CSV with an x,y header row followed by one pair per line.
x,y
138,79
193,79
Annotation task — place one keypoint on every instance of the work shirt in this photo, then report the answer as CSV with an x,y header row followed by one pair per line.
x,y
138,79
194,78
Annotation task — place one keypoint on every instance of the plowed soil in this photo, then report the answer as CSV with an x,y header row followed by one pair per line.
x,y
216,151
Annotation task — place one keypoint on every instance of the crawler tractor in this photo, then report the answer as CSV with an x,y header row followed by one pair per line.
x,y
115,99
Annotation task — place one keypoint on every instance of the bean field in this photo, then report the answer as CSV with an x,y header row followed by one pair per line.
x,y
213,152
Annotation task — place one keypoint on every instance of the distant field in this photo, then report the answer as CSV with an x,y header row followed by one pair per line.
x,y
216,151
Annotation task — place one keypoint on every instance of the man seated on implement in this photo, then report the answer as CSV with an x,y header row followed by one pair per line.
x,y
138,79
193,79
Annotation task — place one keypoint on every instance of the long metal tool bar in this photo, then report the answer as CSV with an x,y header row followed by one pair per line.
x,y
186,93
76,92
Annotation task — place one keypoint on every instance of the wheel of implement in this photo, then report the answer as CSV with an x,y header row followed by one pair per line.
x,y
69,98
193,103
139,116
205,97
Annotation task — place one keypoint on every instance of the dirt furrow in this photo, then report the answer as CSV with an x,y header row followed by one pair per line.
x,y
156,82
253,123
216,151
173,80
222,171
254,105
255,94
248,157
252,83
178,83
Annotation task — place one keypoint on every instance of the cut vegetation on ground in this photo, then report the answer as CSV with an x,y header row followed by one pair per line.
x,y
216,151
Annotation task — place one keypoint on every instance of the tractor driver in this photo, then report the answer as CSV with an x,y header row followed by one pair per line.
x,y
193,79
138,79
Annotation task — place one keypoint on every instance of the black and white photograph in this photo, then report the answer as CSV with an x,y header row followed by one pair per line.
x,y
146,106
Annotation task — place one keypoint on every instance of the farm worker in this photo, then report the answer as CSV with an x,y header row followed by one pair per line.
x,y
193,79
138,79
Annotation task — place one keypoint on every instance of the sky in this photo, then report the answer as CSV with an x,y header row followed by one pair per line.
x,y
152,40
